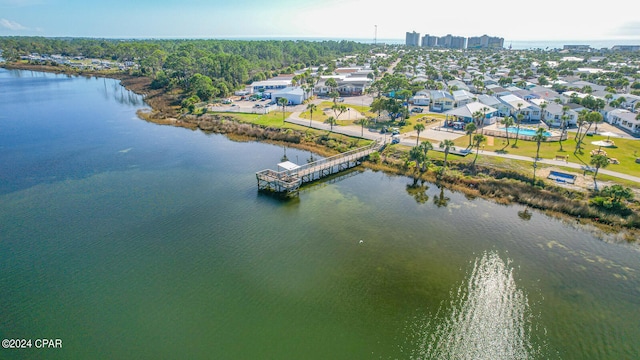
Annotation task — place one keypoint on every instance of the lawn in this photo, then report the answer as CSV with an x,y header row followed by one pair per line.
x,y
626,151
324,112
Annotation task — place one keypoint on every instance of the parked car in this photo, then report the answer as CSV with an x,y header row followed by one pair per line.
x,y
417,110
395,139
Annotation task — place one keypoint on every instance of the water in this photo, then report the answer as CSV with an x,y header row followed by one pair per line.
x,y
526,131
126,239
489,318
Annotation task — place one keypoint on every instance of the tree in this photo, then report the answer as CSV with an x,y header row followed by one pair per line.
x,y
418,127
425,146
416,155
331,121
447,145
338,110
478,139
477,119
563,125
543,107
311,107
519,118
539,137
283,102
377,105
362,122
599,161
469,129
617,193
507,122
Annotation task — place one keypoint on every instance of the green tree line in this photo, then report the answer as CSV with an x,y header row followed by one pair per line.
x,y
206,68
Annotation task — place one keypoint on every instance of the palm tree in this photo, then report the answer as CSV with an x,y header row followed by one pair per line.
x,y
543,106
478,139
507,122
484,116
425,146
417,155
563,124
599,161
447,145
311,107
331,121
362,122
469,129
283,102
477,119
539,137
418,127
338,110
332,84
519,118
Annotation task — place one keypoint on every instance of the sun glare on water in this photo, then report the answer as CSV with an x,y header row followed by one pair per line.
x,y
488,318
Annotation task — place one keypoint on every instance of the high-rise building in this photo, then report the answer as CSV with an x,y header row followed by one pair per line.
x,y
413,39
484,42
452,42
429,41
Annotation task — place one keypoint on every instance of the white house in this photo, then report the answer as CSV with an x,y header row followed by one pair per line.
x,y
462,97
512,105
465,112
421,100
441,101
625,119
553,115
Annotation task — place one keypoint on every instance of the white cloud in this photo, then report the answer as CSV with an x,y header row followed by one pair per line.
x,y
12,25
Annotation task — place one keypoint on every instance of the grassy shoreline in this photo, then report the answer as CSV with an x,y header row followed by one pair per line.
x,y
488,179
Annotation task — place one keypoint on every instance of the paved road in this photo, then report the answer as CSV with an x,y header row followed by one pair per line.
x,y
356,131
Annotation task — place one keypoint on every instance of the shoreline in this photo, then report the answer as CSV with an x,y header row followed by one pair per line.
x,y
491,184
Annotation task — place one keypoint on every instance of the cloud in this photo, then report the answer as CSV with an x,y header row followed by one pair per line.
x,y
12,25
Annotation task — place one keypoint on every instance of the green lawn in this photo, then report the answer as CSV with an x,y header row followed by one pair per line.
x,y
626,151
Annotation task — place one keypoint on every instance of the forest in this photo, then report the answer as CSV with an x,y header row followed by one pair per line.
x,y
220,66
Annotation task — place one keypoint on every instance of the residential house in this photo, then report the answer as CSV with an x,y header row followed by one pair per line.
x,y
458,85
512,105
553,115
441,101
489,100
463,97
497,90
625,119
466,112
421,98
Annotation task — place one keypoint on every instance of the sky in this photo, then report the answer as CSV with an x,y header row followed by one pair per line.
x,y
549,20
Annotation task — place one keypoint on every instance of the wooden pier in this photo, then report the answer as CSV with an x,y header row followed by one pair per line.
x,y
289,180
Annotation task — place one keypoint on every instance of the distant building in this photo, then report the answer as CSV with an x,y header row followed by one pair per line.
x,y
626,48
429,41
485,42
452,42
585,48
412,39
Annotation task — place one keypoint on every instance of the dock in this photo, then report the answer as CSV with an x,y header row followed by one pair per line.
x,y
288,180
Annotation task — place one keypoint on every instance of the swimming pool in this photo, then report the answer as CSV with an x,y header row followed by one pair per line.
x,y
526,131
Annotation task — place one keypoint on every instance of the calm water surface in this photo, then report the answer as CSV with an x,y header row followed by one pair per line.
x,y
127,239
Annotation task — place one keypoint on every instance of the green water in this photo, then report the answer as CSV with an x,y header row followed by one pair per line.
x,y
128,240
